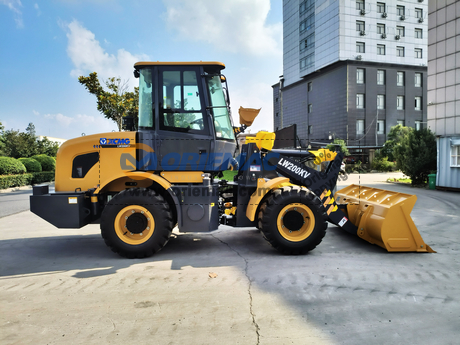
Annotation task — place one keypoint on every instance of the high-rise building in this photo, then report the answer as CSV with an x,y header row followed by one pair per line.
x,y
352,69
444,88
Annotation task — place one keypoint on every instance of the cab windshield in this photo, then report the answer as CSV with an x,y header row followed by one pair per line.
x,y
222,124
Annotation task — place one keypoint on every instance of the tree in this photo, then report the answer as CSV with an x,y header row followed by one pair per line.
x,y
47,147
2,144
115,103
396,135
343,147
416,155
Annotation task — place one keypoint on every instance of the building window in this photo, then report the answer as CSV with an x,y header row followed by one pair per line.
x,y
310,86
306,5
360,26
360,4
309,42
310,108
380,7
381,127
308,23
380,101
380,49
455,156
419,13
380,28
360,47
360,76
418,33
359,127
418,80
380,77
399,78
418,103
359,101
418,53
400,10
400,102
418,125
400,122
400,51
307,61
400,31
310,129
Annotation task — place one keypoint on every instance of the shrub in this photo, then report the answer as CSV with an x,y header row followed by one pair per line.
x,y
382,164
32,165
15,180
45,176
10,166
48,163
8,181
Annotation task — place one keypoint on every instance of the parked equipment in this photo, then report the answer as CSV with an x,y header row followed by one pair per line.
x,y
140,184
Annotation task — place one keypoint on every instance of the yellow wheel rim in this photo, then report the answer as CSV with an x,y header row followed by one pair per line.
x,y
134,225
295,222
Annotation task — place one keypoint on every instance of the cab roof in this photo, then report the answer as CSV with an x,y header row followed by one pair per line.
x,y
219,65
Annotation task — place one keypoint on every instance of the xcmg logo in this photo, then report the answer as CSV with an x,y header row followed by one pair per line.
x,y
105,141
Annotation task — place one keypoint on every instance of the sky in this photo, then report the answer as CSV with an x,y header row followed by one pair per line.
x,y
46,45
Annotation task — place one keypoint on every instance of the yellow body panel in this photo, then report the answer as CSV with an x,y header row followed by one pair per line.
x,y
263,187
183,176
109,160
383,218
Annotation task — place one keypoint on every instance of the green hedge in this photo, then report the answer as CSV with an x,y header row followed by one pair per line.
x,y
32,165
8,181
48,163
9,166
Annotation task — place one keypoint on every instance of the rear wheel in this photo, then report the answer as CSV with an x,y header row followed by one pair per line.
x,y
136,223
293,220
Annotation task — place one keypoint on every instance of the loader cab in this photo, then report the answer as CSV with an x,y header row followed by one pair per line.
x,y
184,116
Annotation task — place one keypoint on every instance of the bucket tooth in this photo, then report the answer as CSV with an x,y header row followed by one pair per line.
x,y
383,218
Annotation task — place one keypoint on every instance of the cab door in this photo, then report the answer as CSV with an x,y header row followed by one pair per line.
x,y
184,130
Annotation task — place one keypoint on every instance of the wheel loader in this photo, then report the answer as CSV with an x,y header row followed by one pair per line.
x,y
141,184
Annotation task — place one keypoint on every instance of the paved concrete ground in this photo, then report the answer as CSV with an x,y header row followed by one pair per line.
x,y
66,287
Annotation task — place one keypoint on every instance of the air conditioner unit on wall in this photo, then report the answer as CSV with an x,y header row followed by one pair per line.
x,y
359,57
397,37
362,12
384,15
420,20
362,33
384,35
403,17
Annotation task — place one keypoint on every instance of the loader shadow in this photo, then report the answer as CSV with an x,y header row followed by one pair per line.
x,y
90,255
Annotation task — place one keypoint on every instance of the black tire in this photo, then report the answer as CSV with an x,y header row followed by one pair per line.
x,y
136,223
293,220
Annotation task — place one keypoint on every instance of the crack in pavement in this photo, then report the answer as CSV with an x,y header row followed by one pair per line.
x,y
246,263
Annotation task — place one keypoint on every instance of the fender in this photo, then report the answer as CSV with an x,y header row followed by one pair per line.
x,y
263,187
142,176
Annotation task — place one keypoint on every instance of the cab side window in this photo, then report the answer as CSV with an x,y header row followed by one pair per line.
x,y
181,108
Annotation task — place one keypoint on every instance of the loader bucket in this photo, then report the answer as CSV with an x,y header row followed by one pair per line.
x,y
247,115
383,218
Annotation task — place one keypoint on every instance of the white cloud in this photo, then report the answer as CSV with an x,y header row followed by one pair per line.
x,y
237,26
67,126
88,56
15,5
37,8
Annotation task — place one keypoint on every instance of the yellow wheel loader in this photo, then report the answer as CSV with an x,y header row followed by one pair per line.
x,y
140,184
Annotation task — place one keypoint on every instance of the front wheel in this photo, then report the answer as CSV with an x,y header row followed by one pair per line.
x,y
136,223
293,220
